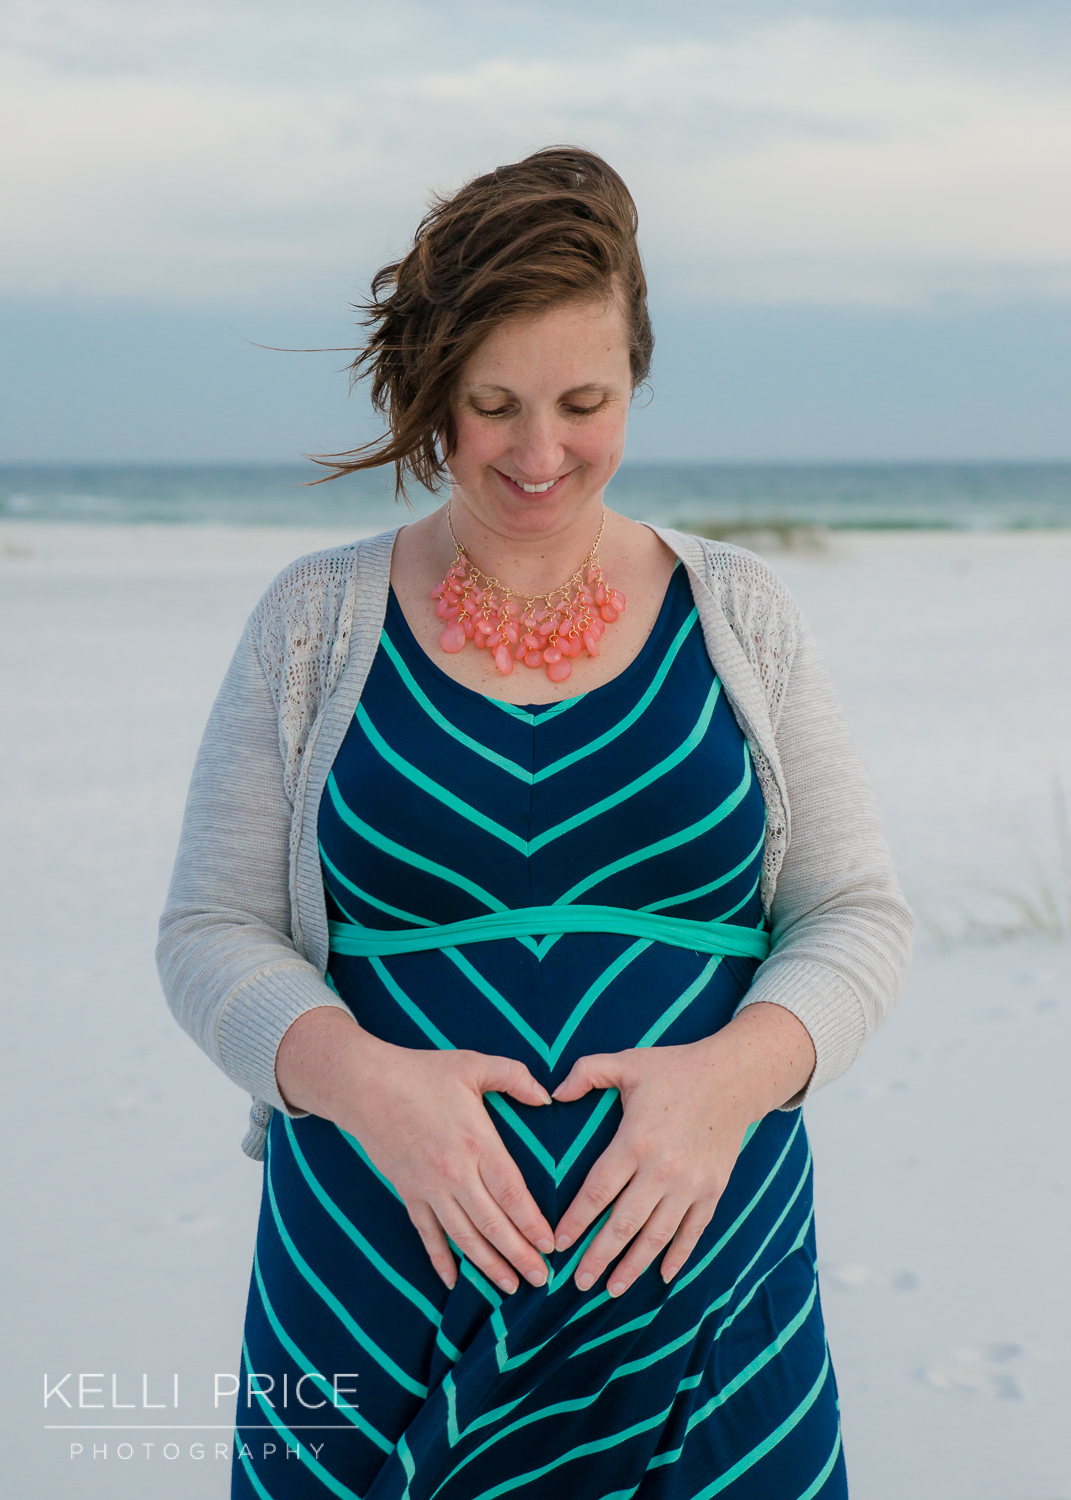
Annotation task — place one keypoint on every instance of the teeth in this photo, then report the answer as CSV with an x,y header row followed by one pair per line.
x,y
536,489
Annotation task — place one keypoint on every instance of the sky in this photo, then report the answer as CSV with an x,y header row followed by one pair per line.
x,y
856,218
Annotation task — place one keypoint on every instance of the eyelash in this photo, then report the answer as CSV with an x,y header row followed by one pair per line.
x,y
503,411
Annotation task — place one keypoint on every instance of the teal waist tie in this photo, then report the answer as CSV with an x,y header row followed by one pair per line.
x,y
702,937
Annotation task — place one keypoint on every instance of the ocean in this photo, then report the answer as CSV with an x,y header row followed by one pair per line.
x,y
717,498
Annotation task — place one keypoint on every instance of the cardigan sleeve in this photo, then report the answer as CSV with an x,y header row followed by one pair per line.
x,y
226,956
841,929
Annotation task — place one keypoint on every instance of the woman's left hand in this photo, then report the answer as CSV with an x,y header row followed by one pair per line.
x,y
686,1110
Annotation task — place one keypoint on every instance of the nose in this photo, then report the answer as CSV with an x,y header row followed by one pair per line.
x,y
538,450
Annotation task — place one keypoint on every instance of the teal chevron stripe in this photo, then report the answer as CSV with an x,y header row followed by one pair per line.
x,y
442,722
560,1277
367,1249
410,1007
515,712
306,1366
580,1140
499,1001
681,1004
250,1472
640,783
636,1366
827,1469
384,906
323,1474
590,995
731,1387
631,717
408,856
521,1130
714,885
770,1442
355,1145
327,1296
432,788
663,846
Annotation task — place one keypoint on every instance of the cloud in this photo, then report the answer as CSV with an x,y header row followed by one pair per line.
x,y
195,154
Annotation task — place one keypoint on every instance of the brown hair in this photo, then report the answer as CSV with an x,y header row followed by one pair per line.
x,y
556,227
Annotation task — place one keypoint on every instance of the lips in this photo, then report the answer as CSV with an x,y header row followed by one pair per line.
x,y
524,488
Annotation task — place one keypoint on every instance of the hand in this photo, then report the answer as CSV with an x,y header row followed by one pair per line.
x,y
686,1110
421,1118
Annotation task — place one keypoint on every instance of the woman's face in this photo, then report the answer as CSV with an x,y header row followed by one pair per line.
x,y
541,409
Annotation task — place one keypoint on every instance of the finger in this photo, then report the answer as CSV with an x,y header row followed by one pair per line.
x,y
505,1075
495,1226
630,1216
507,1187
610,1174
474,1245
687,1237
660,1230
599,1071
435,1242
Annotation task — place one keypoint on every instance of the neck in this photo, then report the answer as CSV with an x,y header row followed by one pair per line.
x,y
530,564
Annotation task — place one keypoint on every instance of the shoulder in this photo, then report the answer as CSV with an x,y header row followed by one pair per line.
x,y
307,610
753,601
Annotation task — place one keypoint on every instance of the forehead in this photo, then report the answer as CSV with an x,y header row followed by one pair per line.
x,y
569,344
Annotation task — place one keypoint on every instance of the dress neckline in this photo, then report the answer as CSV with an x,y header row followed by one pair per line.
x,y
532,711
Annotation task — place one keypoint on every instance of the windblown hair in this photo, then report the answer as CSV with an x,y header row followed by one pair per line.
x,y
559,226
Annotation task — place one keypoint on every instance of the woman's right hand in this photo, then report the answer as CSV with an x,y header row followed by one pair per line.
x,y
421,1118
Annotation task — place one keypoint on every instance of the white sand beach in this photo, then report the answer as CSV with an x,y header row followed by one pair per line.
x,y
942,1159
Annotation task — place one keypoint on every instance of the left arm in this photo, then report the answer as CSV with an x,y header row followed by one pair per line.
x,y
841,935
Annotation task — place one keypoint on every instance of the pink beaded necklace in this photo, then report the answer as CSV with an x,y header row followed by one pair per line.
x,y
542,630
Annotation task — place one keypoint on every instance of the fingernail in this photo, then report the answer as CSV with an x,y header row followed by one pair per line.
x,y
545,1245
669,1273
617,1287
507,1286
538,1279
585,1281
546,1097
562,1242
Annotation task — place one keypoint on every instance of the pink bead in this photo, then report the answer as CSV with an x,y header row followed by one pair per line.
x,y
532,642
600,593
558,671
441,609
617,599
533,658
511,633
547,627
484,627
572,646
609,613
481,641
468,627
519,652
452,638
552,654
596,627
495,638
503,660
591,642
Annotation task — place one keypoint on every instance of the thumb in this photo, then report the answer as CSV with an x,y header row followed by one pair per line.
x,y
505,1075
599,1071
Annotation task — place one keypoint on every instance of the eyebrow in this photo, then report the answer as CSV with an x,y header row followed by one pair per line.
x,y
592,386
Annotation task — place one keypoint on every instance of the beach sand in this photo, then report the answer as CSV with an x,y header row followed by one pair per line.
x,y
942,1165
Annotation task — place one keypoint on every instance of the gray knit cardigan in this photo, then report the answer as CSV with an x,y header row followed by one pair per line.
x,y
243,938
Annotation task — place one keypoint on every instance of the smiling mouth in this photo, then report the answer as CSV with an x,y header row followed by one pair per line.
x,y
534,489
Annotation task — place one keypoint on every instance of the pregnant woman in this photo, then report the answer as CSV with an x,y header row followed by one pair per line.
x,y
529,882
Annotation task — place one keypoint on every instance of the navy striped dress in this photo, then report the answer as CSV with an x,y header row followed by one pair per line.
x,y
364,1376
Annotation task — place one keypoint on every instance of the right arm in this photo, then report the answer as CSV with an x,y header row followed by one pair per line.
x,y
237,985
